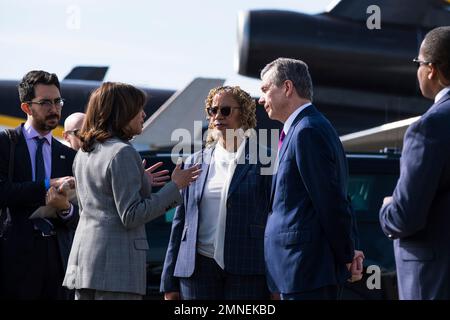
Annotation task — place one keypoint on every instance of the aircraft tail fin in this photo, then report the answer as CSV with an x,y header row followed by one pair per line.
x,y
93,73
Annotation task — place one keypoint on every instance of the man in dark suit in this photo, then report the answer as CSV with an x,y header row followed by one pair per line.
x,y
308,239
34,252
417,215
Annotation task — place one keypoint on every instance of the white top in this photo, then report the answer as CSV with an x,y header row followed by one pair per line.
x,y
441,93
210,203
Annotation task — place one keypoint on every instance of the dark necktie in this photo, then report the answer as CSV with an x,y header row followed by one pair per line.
x,y
280,142
39,172
39,161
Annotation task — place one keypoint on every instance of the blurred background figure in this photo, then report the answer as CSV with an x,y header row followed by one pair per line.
x,y
72,127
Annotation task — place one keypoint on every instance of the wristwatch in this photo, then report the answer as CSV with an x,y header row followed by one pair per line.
x,y
65,212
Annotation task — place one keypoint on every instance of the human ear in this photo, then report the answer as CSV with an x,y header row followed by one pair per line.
x,y
25,108
288,87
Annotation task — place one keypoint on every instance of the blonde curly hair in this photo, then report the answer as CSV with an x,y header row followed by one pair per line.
x,y
245,101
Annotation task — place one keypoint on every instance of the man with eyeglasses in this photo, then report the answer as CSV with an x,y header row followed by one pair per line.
x,y
417,215
34,252
72,125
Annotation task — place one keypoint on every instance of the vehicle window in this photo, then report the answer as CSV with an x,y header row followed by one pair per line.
x,y
367,193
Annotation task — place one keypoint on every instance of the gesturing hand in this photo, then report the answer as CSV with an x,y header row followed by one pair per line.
x,y
158,178
183,178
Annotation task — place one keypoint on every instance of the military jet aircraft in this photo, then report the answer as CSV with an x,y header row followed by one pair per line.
x,y
362,71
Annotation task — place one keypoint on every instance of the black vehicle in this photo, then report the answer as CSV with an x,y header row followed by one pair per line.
x,y
372,177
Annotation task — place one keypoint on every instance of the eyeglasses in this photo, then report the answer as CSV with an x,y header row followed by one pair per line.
x,y
47,103
420,62
224,111
73,132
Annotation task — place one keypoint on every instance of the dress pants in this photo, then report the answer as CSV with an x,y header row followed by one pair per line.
x,y
325,293
34,273
92,294
210,282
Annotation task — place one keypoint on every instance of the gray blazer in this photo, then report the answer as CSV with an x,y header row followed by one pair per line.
x,y
115,200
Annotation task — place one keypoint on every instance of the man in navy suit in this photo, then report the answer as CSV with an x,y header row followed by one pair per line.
x,y
308,244
417,215
34,252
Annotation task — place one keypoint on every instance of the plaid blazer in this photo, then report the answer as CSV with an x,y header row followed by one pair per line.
x,y
247,211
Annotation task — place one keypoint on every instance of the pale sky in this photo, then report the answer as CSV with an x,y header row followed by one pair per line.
x,y
154,43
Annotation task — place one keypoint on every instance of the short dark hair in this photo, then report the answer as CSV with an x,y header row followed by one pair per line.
x,y
294,70
110,108
31,79
436,49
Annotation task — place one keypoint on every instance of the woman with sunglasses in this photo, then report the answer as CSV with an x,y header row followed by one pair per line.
x,y
108,256
216,245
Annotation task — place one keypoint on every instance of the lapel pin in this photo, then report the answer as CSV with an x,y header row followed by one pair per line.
x,y
62,156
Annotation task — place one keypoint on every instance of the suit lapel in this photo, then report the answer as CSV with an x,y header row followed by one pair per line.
x,y
306,112
240,170
22,158
199,186
272,192
58,159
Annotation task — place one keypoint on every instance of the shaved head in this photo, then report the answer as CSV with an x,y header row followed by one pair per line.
x,y
72,125
74,121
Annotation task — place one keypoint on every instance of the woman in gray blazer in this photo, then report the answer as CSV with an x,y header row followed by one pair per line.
x,y
108,255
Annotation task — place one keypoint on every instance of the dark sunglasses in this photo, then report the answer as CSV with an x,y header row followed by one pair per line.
x,y
73,132
224,111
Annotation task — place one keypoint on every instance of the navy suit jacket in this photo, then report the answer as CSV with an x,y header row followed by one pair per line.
x,y
419,216
23,196
308,238
247,210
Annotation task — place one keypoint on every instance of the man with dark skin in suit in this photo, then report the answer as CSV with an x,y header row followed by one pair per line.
x,y
417,215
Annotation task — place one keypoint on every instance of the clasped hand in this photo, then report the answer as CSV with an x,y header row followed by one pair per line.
x,y
356,266
56,196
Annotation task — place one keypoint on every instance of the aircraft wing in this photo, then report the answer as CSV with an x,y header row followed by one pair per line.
x,y
178,113
389,135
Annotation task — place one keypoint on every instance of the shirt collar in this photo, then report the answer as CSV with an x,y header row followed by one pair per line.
x,y
287,125
441,93
30,133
